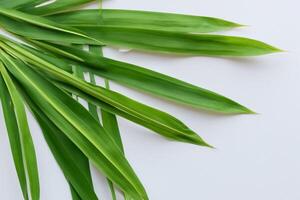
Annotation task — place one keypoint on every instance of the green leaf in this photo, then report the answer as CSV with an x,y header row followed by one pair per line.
x,y
14,3
143,20
74,194
151,118
27,146
80,127
149,81
86,169
39,28
178,43
109,120
72,161
147,40
35,27
13,135
147,116
54,7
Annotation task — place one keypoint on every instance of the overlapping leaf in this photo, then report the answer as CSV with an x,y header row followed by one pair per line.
x,y
109,120
26,144
140,39
149,117
80,127
148,80
42,74
40,28
71,160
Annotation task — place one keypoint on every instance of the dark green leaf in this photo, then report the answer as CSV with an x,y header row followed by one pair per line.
x,y
71,160
13,135
27,146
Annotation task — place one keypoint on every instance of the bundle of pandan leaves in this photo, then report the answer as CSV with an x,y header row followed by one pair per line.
x,y
54,44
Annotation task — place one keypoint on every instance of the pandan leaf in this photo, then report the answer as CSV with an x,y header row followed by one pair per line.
x,y
26,143
40,28
109,120
13,135
149,81
73,163
154,119
178,43
149,117
143,20
79,126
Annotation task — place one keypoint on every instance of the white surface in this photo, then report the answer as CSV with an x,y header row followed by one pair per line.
x,y
257,156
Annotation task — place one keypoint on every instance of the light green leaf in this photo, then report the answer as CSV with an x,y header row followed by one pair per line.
x,y
143,20
178,43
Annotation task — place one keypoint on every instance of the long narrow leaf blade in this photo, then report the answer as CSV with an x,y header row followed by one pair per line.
x,y
178,43
149,81
143,20
13,135
27,145
153,119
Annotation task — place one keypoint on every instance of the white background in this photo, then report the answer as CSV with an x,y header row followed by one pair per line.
x,y
257,156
